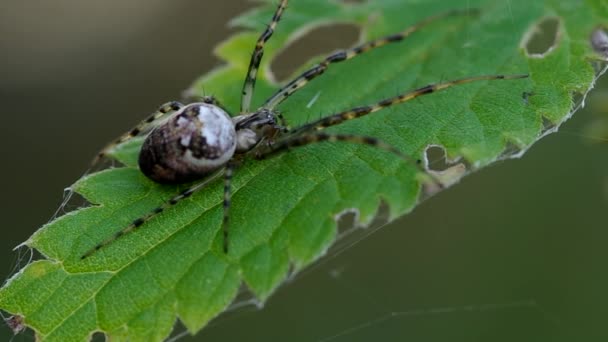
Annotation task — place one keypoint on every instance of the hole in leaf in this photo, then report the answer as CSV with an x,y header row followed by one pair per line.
x,y
599,41
312,42
346,220
445,171
436,160
542,37
98,337
352,228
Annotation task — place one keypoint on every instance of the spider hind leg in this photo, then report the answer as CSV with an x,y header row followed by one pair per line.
x,y
138,222
317,137
226,203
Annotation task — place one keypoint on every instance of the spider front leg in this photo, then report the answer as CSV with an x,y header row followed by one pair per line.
x,y
344,55
284,125
144,126
358,112
256,58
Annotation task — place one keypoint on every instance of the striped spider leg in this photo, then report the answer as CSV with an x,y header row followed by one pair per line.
x,y
200,141
343,55
143,219
310,133
256,58
143,127
358,112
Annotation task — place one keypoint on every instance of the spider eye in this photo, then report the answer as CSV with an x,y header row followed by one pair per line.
x,y
194,142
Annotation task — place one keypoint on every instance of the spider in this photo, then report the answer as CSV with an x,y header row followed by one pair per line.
x,y
200,140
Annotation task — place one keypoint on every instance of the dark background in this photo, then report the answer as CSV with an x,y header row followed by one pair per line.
x,y
514,252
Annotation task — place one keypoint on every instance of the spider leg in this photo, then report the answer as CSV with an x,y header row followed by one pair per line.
x,y
256,58
344,55
147,217
316,137
227,187
284,125
358,112
146,125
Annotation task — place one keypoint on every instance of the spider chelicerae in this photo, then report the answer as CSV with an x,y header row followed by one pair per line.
x,y
198,141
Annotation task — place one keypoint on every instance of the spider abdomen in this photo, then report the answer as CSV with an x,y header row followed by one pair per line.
x,y
195,141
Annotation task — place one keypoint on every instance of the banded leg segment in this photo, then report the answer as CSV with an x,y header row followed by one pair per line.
x,y
146,125
358,112
227,193
312,138
147,217
316,137
256,58
344,55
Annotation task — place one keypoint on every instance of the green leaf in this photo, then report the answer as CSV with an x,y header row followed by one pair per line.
x,y
284,208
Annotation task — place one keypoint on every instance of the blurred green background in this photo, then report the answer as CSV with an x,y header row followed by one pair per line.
x,y
516,252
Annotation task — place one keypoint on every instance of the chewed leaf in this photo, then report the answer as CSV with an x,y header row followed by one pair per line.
x,y
284,209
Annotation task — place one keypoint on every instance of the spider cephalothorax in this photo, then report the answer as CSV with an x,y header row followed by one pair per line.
x,y
188,143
